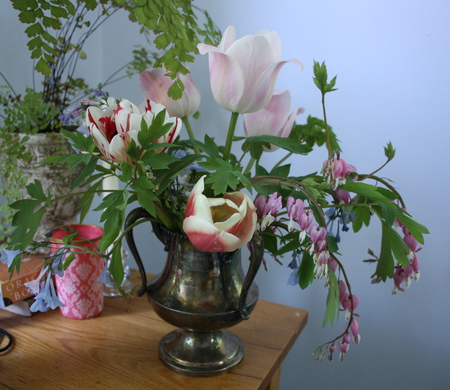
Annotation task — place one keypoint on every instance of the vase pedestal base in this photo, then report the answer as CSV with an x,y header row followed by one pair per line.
x,y
201,354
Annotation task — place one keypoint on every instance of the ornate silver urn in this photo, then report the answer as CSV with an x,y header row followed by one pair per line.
x,y
202,294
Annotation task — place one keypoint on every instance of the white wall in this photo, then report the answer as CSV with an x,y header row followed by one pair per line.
x,y
391,58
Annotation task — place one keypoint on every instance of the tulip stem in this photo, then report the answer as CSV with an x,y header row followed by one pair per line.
x,y
230,135
190,132
250,165
282,160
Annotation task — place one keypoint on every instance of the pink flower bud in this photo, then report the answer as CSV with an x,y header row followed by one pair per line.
x,y
273,119
156,85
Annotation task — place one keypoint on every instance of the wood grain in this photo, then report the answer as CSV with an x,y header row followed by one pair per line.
x,y
118,349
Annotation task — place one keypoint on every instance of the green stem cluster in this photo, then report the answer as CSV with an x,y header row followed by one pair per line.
x,y
230,135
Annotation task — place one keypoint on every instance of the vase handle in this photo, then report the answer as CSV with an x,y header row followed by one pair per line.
x,y
134,216
256,255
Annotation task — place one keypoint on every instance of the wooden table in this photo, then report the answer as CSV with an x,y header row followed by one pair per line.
x,y
118,349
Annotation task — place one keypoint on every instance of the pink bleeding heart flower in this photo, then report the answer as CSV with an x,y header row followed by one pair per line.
x,y
156,85
243,71
219,224
336,170
317,233
114,125
273,119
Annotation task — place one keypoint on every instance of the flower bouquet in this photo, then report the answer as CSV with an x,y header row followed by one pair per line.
x,y
219,198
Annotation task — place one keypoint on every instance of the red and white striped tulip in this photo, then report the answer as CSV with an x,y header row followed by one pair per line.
x,y
114,125
219,224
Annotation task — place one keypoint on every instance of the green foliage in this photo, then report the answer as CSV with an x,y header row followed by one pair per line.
x,y
332,303
306,270
28,216
174,25
256,145
21,116
370,200
313,132
58,29
45,18
321,78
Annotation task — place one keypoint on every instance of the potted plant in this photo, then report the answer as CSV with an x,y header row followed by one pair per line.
x,y
57,34
219,196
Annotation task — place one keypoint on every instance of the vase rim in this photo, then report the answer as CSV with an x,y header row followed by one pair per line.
x,y
81,229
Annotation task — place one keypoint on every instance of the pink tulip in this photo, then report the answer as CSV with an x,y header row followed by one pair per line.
x,y
114,125
243,72
156,85
273,119
219,224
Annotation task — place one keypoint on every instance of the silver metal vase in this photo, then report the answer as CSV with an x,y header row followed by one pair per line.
x,y
202,294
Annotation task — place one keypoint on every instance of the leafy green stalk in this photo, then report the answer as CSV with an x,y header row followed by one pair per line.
x,y
230,135
190,132
321,81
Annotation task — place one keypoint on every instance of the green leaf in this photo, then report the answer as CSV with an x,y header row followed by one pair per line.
x,y
115,265
27,16
414,227
392,245
144,183
67,239
385,265
126,171
134,151
289,247
210,147
362,214
256,145
158,161
148,200
24,233
43,67
306,270
165,177
86,200
87,171
36,191
68,260
113,216
371,192
79,140
270,240
332,244
332,310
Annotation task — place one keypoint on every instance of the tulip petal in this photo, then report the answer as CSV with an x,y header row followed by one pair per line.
x,y
265,85
219,224
118,147
227,81
274,40
100,140
207,238
228,38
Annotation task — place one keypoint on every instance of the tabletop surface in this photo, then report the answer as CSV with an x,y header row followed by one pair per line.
x,y
118,349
